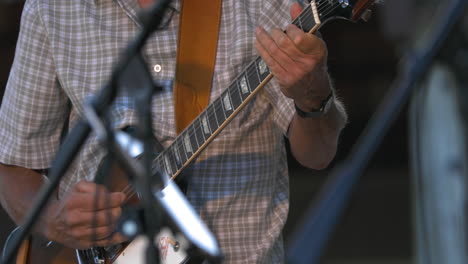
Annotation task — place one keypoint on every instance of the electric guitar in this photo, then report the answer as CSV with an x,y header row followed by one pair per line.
x,y
190,143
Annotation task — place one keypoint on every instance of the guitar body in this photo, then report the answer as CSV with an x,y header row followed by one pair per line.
x,y
55,253
37,250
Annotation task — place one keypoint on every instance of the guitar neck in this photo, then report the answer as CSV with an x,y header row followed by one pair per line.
x,y
223,109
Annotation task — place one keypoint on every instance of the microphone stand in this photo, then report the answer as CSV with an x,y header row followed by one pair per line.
x,y
138,76
308,242
77,136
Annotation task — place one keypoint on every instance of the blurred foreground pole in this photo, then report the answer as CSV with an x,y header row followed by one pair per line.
x,y
438,131
319,221
11,1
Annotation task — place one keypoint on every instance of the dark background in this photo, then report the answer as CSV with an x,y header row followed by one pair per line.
x,y
363,59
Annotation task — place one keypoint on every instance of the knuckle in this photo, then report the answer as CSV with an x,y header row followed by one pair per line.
x,y
107,217
104,231
117,212
101,218
102,243
100,188
119,239
80,185
299,40
70,218
116,199
275,32
69,202
289,80
283,41
76,218
77,233
310,68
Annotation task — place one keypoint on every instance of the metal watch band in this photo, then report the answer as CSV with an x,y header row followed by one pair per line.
x,y
325,106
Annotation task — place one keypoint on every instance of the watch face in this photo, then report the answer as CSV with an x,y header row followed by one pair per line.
x,y
324,108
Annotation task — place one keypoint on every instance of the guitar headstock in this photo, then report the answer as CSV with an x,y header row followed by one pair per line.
x,y
353,10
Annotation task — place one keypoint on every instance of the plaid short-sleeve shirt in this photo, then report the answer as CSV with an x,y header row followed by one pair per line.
x,y
65,53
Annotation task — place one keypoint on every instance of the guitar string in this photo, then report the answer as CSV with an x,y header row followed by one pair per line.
x,y
323,8
250,71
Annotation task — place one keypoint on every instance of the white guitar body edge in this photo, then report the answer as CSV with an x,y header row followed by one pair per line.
x,y
172,249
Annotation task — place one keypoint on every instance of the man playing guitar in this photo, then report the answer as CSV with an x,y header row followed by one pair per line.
x,y
238,184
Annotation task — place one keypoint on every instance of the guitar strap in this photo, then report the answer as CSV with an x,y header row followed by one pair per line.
x,y
196,55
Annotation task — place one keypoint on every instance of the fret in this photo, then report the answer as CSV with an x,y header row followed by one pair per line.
x,y
309,23
210,112
244,87
227,103
235,95
187,143
156,166
262,69
162,166
193,139
205,125
252,77
299,23
167,163
180,148
219,111
172,159
305,20
199,133
177,156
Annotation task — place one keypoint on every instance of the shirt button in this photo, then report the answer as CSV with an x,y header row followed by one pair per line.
x,y
157,68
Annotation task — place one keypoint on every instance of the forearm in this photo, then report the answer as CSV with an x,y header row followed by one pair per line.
x,y
78,220
18,190
314,140
299,63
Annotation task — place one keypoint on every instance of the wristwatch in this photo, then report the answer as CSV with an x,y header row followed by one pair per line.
x,y
325,106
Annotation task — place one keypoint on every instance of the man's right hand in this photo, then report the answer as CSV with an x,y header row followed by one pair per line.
x,y
86,216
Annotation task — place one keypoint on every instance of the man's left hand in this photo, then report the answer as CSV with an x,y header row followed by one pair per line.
x,y
298,61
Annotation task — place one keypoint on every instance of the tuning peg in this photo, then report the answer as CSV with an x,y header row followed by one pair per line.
x,y
366,15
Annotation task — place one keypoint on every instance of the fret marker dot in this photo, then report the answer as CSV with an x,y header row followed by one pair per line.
x,y
243,85
263,67
157,68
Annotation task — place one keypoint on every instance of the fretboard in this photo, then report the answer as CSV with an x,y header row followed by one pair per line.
x,y
218,113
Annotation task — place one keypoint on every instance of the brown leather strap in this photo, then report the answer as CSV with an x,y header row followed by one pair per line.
x,y
198,39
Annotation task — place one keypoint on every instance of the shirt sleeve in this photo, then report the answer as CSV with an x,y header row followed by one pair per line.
x,y
283,107
34,109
